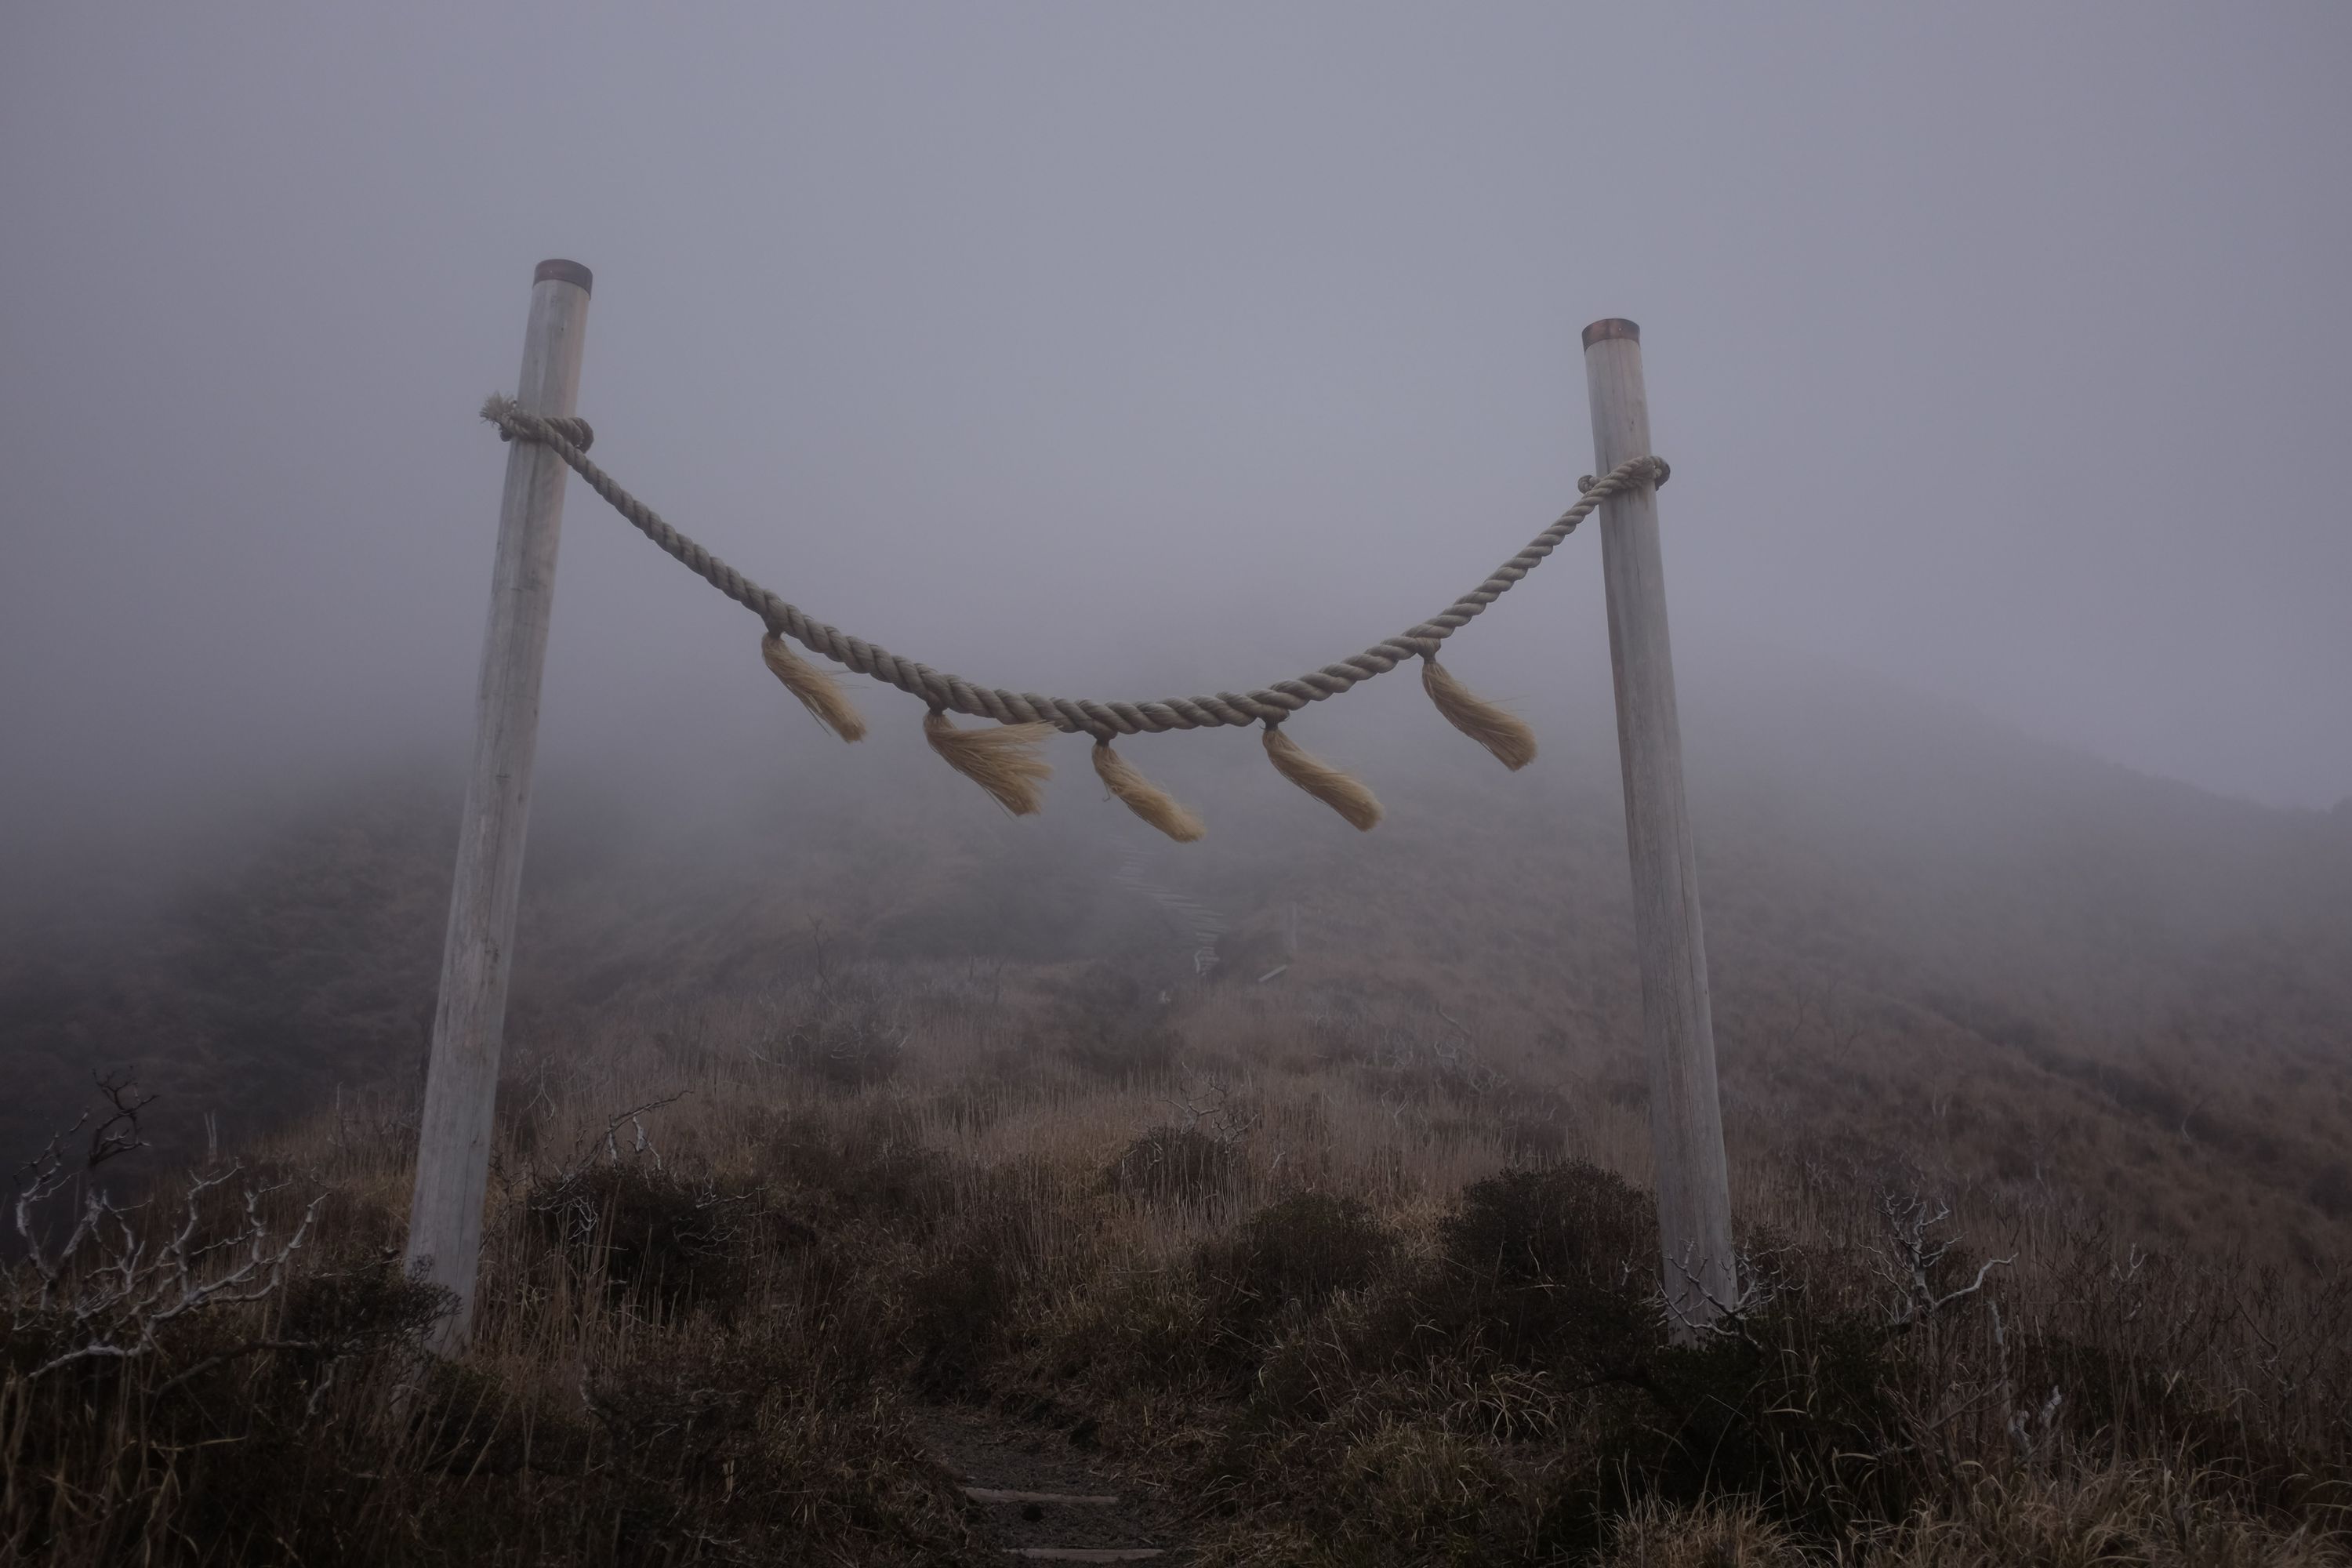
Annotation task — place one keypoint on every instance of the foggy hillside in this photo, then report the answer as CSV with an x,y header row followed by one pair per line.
x,y
1950,890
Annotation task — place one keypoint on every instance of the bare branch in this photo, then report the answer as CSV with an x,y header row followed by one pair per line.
x,y
109,1290
1762,1285
1912,1257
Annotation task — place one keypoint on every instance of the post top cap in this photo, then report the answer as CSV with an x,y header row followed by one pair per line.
x,y
561,272
1614,327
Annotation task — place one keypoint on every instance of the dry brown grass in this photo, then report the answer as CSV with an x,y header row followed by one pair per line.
x,y
1367,1287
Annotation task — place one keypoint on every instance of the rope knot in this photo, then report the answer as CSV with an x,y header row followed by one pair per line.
x,y
1660,472
514,425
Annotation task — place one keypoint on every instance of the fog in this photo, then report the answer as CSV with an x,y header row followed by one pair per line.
x,y
2000,353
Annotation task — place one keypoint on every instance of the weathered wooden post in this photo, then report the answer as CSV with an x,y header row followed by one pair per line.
x,y
1677,1028
452,1134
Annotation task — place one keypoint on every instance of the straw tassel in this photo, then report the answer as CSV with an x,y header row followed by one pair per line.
x,y
1503,733
1003,761
819,692
1318,778
1143,797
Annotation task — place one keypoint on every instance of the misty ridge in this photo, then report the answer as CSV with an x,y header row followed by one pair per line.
x,y
1852,834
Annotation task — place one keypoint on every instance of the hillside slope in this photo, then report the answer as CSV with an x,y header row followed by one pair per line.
x,y
1930,937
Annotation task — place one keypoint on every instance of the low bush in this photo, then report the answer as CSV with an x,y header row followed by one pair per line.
x,y
1174,1164
1293,1253
637,1227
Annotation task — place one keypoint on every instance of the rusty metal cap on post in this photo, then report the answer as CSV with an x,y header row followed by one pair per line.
x,y
561,272
1614,327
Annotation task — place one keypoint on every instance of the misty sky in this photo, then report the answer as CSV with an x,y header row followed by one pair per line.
x,y
2005,351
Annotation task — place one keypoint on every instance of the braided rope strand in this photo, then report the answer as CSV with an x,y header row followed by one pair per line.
x,y
570,438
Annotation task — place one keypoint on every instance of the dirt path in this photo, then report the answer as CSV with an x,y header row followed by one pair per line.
x,y
1044,1500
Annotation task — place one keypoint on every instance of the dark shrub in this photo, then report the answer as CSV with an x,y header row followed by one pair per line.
x,y
354,1310
1574,1221
1560,1268
1181,1165
682,1241
1298,1250
1552,1270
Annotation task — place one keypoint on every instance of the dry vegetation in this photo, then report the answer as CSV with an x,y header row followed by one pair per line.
x,y
828,1113
1346,1281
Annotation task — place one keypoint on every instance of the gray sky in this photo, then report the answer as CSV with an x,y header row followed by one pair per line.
x,y
1999,350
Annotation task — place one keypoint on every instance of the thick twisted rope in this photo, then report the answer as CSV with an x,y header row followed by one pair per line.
x,y
569,439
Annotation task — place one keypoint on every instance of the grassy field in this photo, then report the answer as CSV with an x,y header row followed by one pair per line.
x,y
1333,1281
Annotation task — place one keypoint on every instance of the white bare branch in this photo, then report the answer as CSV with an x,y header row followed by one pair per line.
x,y
1914,1252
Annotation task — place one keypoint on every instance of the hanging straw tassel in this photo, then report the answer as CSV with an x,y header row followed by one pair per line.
x,y
1502,733
1143,797
1318,778
1003,760
819,692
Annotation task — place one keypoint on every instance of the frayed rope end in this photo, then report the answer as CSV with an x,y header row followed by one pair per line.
x,y
1339,791
815,687
819,692
1004,760
1143,797
1503,733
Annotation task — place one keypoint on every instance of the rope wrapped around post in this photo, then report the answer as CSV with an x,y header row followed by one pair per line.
x,y
944,693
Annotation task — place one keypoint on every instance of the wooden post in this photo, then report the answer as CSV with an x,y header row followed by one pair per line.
x,y
1677,1028
452,1134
